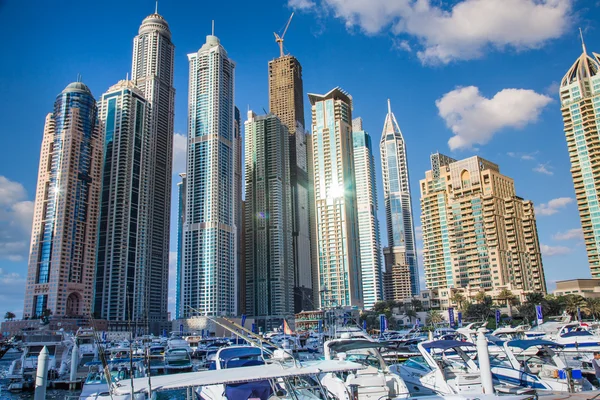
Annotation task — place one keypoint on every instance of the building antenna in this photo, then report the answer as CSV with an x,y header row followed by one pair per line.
x,y
389,107
213,27
127,76
582,42
78,77
156,8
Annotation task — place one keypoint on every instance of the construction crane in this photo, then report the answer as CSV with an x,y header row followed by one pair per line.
x,y
279,40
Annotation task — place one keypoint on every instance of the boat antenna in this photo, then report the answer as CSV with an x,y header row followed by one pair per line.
x,y
101,353
130,309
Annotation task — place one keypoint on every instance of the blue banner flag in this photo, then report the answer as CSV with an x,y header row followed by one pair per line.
x,y
365,324
181,328
451,316
104,336
418,322
460,319
254,328
579,314
164,333
202,336
243,319
540,316
382,323
497,317
320,326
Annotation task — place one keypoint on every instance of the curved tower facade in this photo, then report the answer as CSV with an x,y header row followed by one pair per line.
x,y
152,73
65,224
401,279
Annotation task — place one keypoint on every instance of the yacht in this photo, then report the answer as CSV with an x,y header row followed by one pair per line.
x,y
178,360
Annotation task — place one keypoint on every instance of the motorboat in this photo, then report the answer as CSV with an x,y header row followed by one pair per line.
x,y
85,339
178,360
575,337
177,342
510,333
97,386
540,369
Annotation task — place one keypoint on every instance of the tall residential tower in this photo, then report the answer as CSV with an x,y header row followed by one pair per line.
x,y
339,273
477,233
268,225
286,101
62,258
401,278
152,72
209,268
580,104
368,223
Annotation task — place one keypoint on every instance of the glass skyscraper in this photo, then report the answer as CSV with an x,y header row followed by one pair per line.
x,y
368,223
152,72
268,225
209,276
580,105
335,211
122,285
62,258
400,254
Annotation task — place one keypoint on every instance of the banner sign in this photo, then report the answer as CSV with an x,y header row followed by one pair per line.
x,y
243,319
540,316
451,316
460,319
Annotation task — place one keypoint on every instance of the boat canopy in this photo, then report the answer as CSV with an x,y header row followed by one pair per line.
x,y
341,345
576,333
446,344
525,344
234,376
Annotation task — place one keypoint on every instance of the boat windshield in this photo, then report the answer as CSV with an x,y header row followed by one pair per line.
x,y
417,363
97,377
366,357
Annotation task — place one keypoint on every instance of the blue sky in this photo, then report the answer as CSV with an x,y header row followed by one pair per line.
x,y
485,72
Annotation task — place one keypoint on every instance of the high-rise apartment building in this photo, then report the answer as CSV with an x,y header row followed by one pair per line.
x,y
181,192
335,211
368,223
287,102
209,277
400,254
239,212
477,233
268,225
122,279
62,258
580,105
152,72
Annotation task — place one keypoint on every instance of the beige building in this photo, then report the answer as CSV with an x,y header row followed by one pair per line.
x,y
589,288
60,276
396,282
477,233
580,106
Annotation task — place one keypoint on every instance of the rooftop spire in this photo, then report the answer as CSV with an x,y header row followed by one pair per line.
x,y
389,107
156,8
582,42
213,27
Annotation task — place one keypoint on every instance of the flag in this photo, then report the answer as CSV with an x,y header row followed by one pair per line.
x,y
451,316
365,324
286,328
497,317
202,334
579,314
320,326
382,323
460,319
243,319
181,329
254,330
540,316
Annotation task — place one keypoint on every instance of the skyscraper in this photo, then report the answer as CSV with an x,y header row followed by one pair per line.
x,y
152,72
286,101
400,254
62,258
335,200
477,233
209,248
181,192
268,225
368,223
580,105
122,263
239,212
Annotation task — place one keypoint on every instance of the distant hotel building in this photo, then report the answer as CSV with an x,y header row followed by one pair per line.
x,y
401,279
336,217
286,100
152,72
580,104
368,223
62,258
268,225
477,233
122,276
209,265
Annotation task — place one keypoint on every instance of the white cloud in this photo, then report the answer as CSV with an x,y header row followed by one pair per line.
x,y
523,156
553,206
403,45
12,293
301,4
475,119
462,31
179,153
549,251
172,277
552,89
16,216
419,232
576,233
544,169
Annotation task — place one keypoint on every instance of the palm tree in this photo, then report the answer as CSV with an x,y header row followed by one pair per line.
x,y
508,298
458,299
594,307
9,316
411,314
480,297
434,317
573,302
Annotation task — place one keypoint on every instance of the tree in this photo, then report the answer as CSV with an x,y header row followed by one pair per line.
x,y
458,299
411,314
480,297
434,317
593,306
9,316
508,297
555,304
480,311
573,302
416,305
